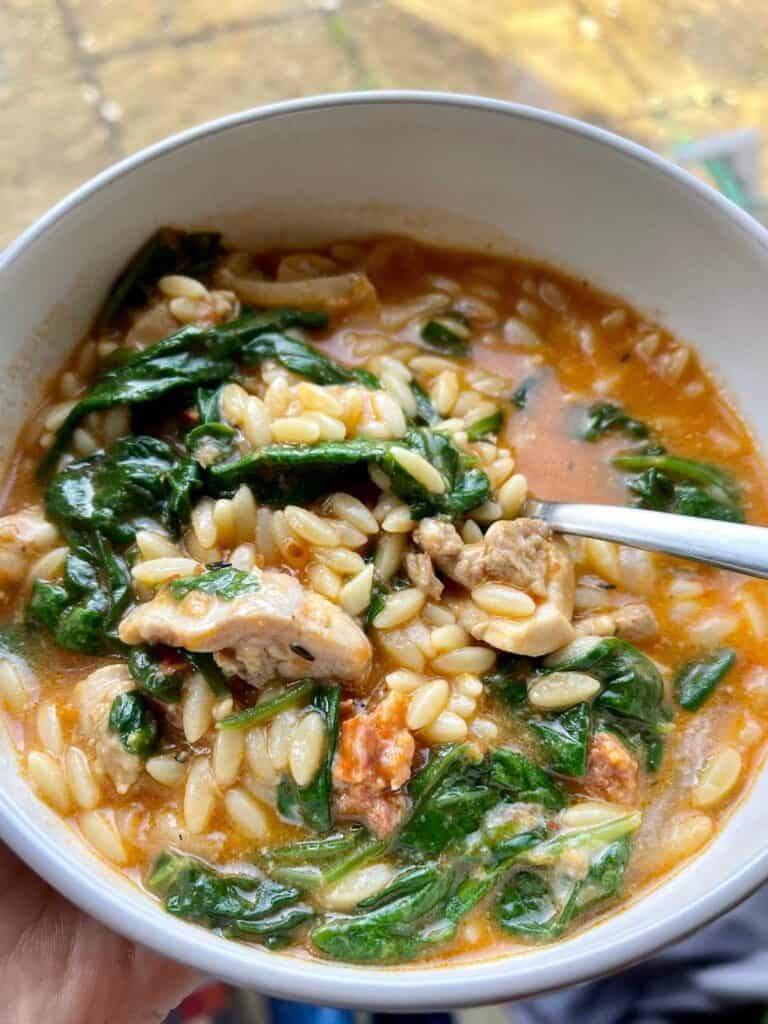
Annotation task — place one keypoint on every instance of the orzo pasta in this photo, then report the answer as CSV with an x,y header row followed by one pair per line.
x,y
281,641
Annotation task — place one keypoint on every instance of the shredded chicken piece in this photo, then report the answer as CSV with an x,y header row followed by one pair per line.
x,y
421,573
373,762
513,551
281,630
23,536
94,696
342,291
634,622
519,552
612,772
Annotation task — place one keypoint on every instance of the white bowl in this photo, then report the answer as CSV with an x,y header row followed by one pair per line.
x,y
455,170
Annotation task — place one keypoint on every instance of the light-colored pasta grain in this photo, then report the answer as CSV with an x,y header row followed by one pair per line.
x,y
157,571
341,560
280,737
257,755
560,690
355,595
324,581
471,532
228,753
357,885
353,511
512,495
448,638
398,520
196,708
484,729
468,684
404,680
445,391
462,705
506,601
448,727
389,554
199,796
83,784
310,527
49,728
166,770
49,781
256,422
684,835
248,815
418,467
295,430
718,779
177,286
588,813
203,525
153,545
426,703
13,690
101,832
307,748
331,428
400,607
477,660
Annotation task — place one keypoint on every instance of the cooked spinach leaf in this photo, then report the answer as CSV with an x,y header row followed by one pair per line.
x,y
271,471
426,414
304,360
167,252
224,581
106,490
564,736
507,680
449,334
235,905
153,679
528,905
264,711
379,592
452,793
394,929
522,393
668,483
83,611
604,417
134,722
192,357
310,805
521,780
204,664
488,426
699,678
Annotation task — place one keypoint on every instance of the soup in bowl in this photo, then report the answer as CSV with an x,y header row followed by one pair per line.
x,y
282,645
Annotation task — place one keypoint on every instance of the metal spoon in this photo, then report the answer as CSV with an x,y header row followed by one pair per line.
x,y
727,545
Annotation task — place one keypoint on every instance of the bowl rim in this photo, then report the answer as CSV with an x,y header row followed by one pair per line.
x,y
339,984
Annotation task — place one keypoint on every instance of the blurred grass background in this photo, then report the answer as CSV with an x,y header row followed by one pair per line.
x,y
86,82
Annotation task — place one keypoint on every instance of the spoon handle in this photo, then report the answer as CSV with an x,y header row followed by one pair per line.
x,y
733,546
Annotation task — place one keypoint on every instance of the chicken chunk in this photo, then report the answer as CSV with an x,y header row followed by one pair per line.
x,y
282,630
513,551
23,536
421,573
634,622
373,762
94,696
612,772
548,628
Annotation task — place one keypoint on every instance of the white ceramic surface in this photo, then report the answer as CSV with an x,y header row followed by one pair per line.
x,y
456,170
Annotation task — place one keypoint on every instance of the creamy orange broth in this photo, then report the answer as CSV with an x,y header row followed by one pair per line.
x,y
581,357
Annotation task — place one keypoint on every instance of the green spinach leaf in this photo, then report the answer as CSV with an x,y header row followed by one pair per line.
x,y
565,738
134,722
303,360
167,252
668,483
699,678
449,334
223,581
486,427
310,805
152,678
605,417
